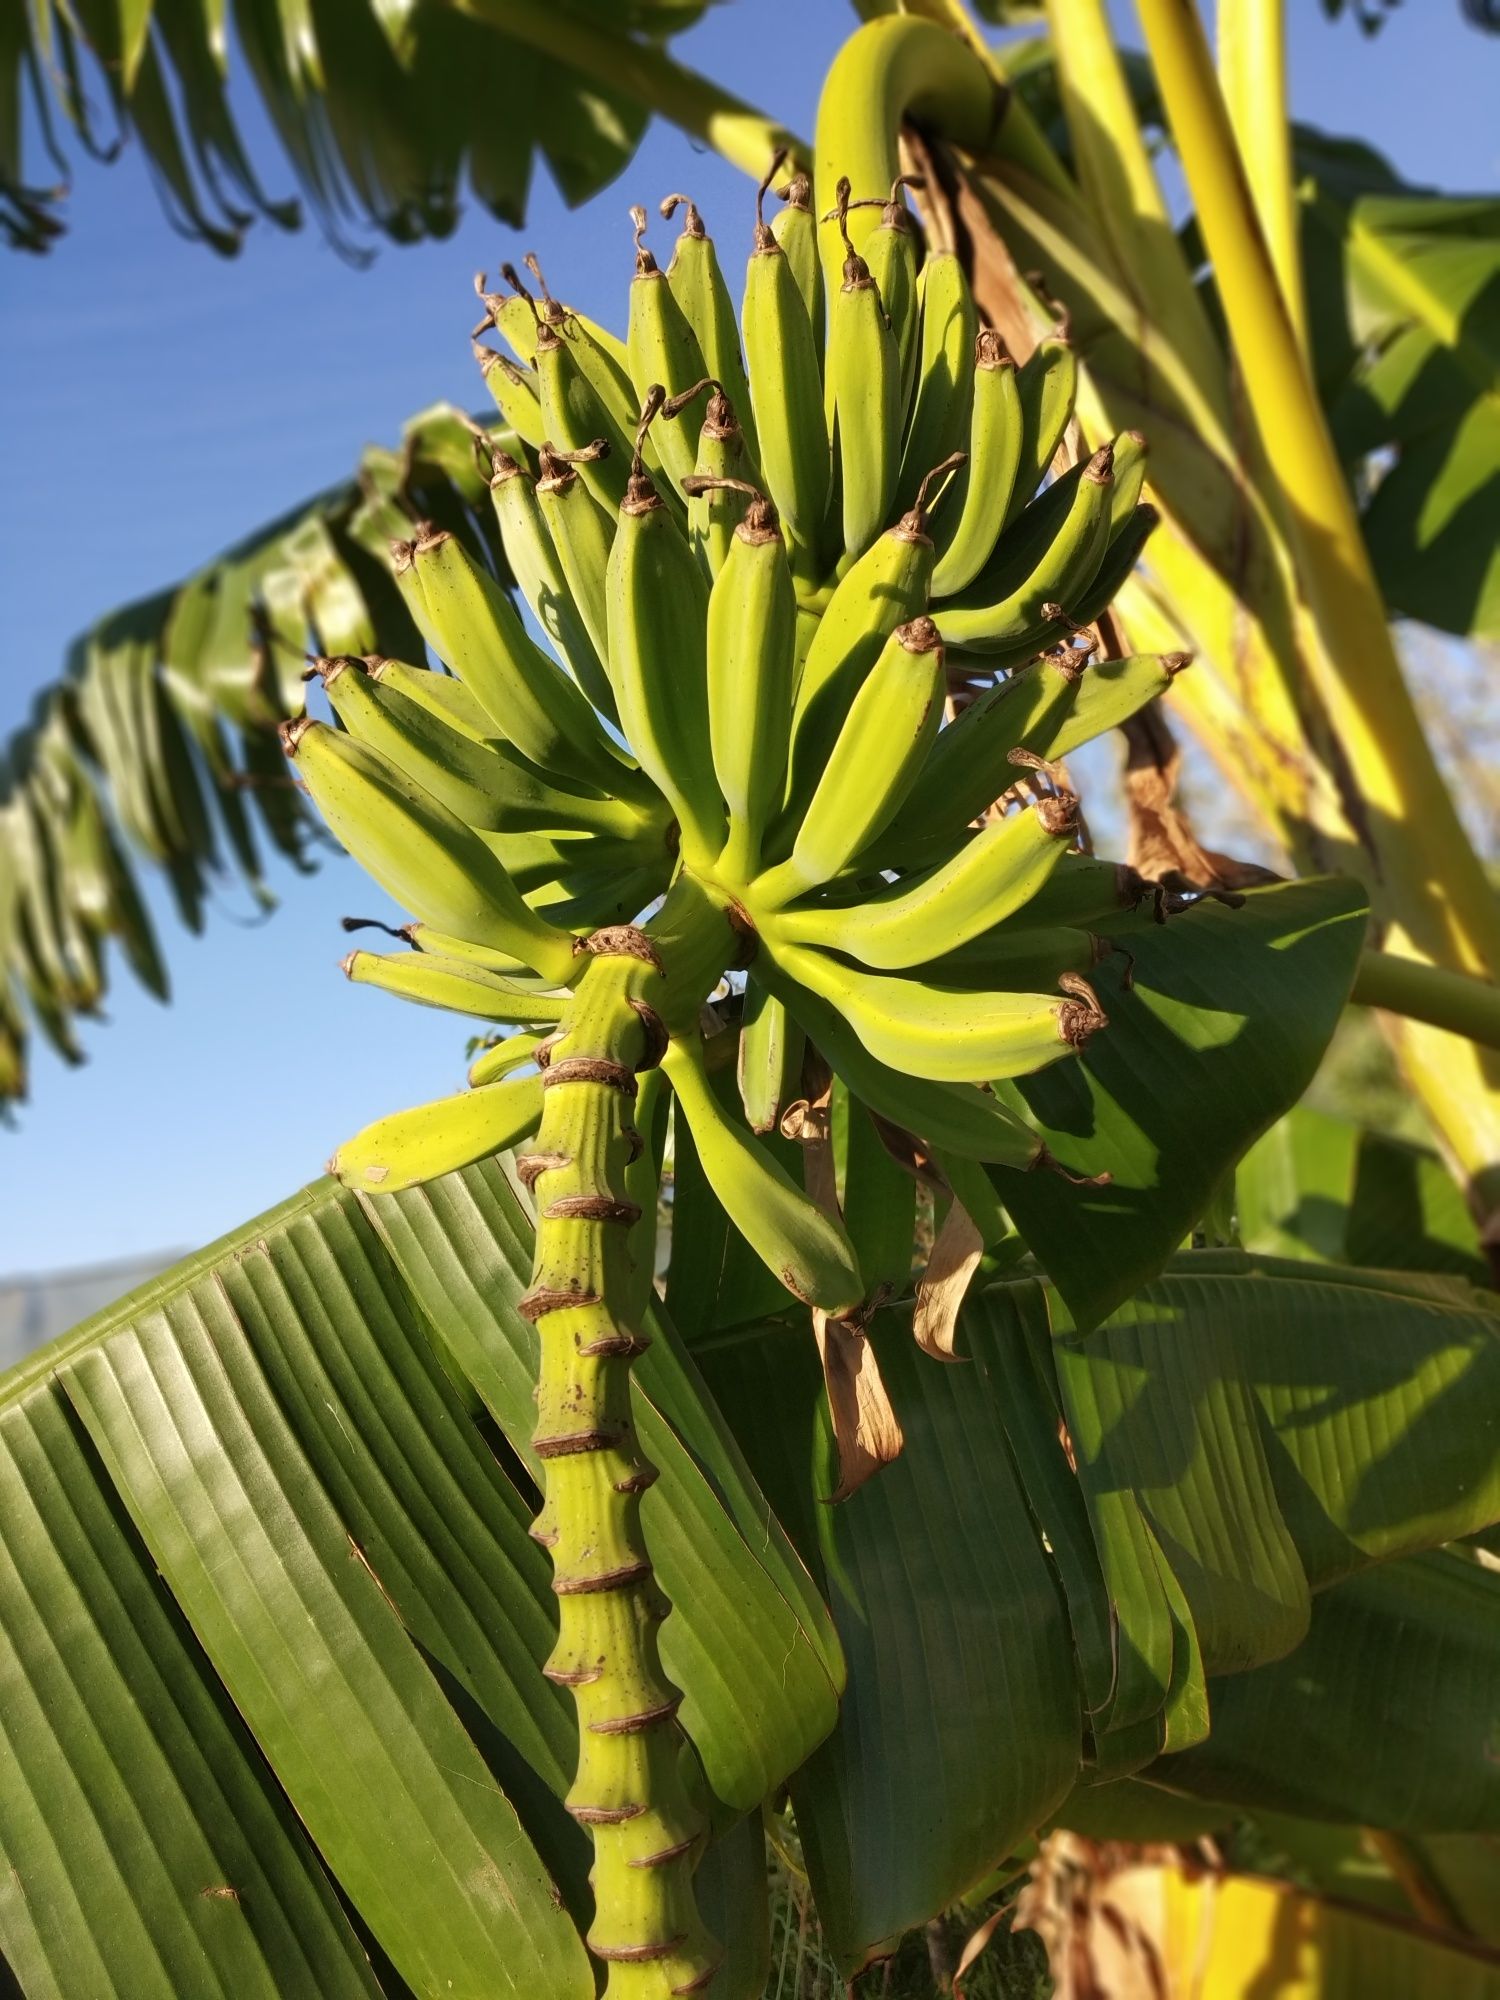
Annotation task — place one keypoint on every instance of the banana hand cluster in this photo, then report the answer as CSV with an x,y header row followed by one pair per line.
x,y
793,643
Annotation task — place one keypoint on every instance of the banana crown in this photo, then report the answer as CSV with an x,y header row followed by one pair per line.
x,y
796,619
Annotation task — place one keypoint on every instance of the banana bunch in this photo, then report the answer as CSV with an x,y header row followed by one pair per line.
x,y
796,651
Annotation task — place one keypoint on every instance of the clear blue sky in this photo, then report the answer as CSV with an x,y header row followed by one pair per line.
x,y
155,402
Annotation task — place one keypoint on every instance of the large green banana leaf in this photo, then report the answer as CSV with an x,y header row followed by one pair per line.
x,y
272,1624
1325,1189
379,110
159,743
1081,1531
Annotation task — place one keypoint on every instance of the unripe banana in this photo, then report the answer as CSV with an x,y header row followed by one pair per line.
x,y
752,636
890,725
443,694
516,391
663,350
488,785
969,766
1082,891
582,537
945,1033
885,588
453,985
698,286
1028,589
786,392
994,875
442,944
501,1058
535,564
717,487
1131,453
769,1066
861,397
575,417
797,235
597,353
657,600
1046,386
435,1139
891,253
967,529
797,1241
954,1117
1109,693
939,422
422,855
472,624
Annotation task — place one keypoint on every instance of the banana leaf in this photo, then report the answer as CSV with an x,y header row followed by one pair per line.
x,y
1088,1539
272,1631
380,111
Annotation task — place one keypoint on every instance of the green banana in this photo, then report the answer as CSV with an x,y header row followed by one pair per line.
x,y
698,286
786,393
1109,693
453,985
472,624
940,415
1039,568
1046,385
421,854
574,413
409,1147
538,570
516,392
861,396
657,599
663,351
891,723
885,588
991,877
956,1117
718,482
491,786
1082,891
969,766
1131,453
599,353
804,1247
769,1065
582,536
512,1052
967,532
752,636
944,1033
890,250
797,236
441,693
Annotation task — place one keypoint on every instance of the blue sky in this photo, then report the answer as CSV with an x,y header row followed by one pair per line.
x,y
155,402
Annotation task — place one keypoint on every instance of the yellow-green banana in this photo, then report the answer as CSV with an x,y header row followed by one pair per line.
x,y
472,624
797,235
491,786
456,986
657,599
421,854
516,391
663,351
802,1245
513,1052
537,568
861,397
582,536
1023,957
717,486
443,694
752,635
698,286
890,250
891,723
939,422
945,1033
786,393
968,526
1046,386
1029,587
418,1145
769,1063
992,876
